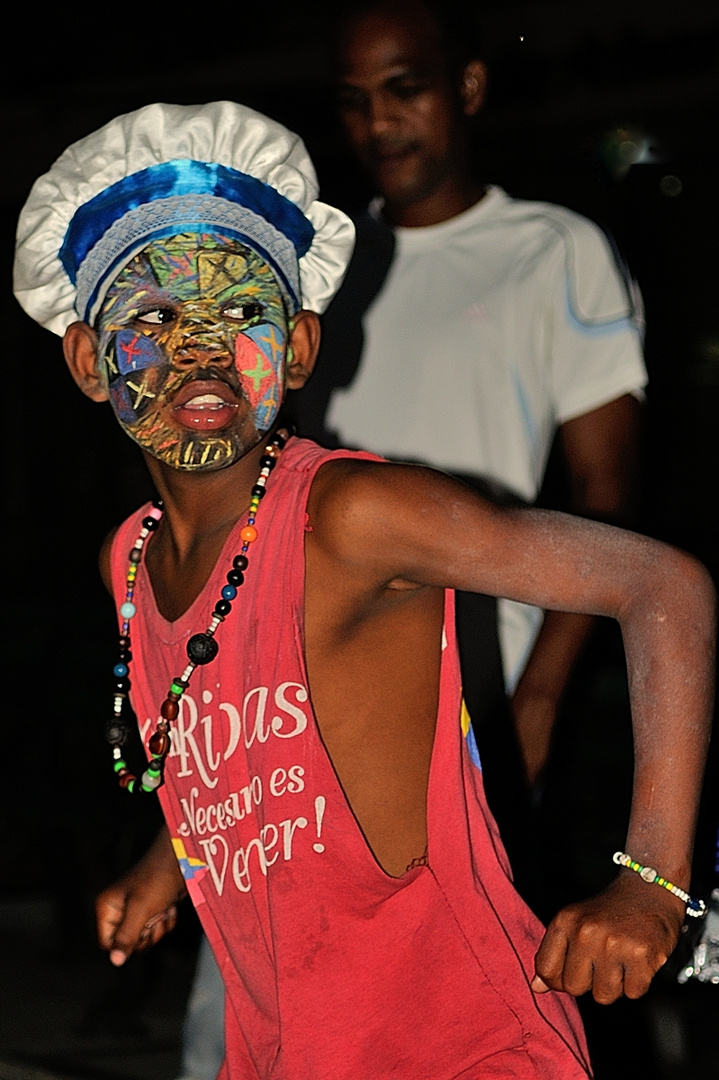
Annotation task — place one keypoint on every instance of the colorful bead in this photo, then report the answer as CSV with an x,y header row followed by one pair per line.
x,y
169,709
128,610
248,534
229,592
159,744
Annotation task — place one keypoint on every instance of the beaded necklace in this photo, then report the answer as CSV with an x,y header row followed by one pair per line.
x,y
201,648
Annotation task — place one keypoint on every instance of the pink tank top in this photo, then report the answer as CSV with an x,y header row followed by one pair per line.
x,y
333,969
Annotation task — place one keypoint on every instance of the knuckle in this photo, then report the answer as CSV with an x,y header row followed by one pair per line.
x,y
637,989
605,996
587,932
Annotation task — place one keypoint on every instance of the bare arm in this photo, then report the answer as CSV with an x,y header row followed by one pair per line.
x,y
389,524
600,449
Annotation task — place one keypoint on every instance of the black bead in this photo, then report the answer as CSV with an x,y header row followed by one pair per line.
x,y
124,656
258,491
201,648
150,523
235,577
280,440
240,562
135,555
122,685
158,504
223,607
123,642
116,732
268,463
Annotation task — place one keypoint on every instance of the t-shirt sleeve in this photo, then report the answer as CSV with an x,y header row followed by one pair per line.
x,y
595,344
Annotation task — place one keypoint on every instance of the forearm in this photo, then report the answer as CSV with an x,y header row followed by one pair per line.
x,y
600,450
670,660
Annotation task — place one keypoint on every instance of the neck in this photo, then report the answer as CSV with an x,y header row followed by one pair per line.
x,y
453,197
200,506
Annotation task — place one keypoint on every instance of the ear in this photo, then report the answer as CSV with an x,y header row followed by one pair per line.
x,y
473,87
302,350
80,348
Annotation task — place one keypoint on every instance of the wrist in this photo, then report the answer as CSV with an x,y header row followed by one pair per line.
x,y
651,876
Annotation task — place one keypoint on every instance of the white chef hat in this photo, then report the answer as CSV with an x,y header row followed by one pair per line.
x,y
166,169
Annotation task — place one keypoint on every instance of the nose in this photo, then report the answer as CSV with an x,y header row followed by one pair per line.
x,y
196,353
380,114
200,341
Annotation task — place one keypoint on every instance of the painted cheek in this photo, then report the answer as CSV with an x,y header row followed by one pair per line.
x,y
135,351
259,359
132,362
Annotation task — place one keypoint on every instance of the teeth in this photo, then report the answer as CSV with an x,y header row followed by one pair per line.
x,y
204,399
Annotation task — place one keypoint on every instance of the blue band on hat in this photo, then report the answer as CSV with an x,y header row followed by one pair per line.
x,y
180,177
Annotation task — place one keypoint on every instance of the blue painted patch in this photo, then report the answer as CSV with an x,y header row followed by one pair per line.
x,y
134,352
121,402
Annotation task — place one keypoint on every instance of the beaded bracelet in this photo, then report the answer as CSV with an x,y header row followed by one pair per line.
x,y
648,874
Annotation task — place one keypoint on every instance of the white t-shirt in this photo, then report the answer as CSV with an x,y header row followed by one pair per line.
x,y
491,329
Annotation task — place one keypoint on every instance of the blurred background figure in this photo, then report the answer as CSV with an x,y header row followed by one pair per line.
x,y
515,320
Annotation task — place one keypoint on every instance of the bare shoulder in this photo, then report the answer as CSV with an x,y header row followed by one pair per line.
x,y
378,520
357,504
105,567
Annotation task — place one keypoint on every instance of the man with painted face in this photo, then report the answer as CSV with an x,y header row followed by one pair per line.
x,y
286,619
471,326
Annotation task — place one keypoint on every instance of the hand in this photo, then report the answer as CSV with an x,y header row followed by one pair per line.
x,y
612,944
141,907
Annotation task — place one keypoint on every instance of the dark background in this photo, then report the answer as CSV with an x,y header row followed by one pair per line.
x,y
608,108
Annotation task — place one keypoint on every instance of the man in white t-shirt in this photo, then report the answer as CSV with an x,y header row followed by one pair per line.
x,y
513,316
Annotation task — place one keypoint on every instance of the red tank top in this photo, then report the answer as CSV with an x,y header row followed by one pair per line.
x,y
333,969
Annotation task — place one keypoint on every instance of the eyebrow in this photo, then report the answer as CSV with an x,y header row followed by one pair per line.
x,y
398,71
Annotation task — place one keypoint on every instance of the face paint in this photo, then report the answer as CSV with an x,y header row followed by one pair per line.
x,y
193,338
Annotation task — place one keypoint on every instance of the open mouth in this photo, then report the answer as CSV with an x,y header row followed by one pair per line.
x,y
205,405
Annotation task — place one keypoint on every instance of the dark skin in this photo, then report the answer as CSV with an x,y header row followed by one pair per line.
x,y
405,111
386,541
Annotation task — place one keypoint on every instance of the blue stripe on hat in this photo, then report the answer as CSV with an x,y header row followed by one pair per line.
x,y
180,177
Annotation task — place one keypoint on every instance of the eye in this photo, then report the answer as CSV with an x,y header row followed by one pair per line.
x,y
244,311
155,317
407,89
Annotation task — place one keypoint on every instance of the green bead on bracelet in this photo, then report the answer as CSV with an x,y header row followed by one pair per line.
x,y
647,873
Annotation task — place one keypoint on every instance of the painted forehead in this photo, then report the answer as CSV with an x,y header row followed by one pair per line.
x,y
192,266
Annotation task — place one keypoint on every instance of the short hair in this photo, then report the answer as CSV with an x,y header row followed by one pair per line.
x,y
457,22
